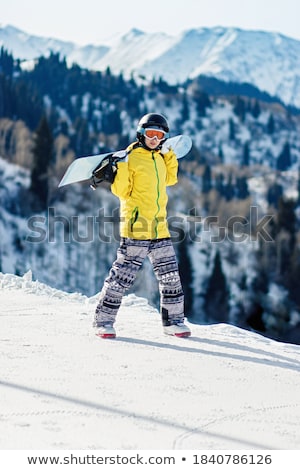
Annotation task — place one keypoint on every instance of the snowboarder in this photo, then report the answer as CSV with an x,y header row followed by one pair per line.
x,y
140,183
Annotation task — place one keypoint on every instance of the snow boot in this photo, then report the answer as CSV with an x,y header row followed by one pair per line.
x,y
179,329
106,331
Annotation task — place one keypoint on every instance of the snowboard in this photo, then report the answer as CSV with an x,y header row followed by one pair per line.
x,y
84,168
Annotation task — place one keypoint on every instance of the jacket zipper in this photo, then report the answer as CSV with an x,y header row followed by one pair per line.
x,y
134,217
158,195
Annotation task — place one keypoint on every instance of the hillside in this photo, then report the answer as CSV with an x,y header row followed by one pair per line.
x,y
234,216
64,388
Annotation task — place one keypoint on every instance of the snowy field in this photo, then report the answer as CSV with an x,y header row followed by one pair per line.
x,y
62,387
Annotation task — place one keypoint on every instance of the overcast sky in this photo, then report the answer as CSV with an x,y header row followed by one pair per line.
x,y
92,21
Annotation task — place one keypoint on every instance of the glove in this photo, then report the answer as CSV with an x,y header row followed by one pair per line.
x,y
109,172
106,172
168,153
166,147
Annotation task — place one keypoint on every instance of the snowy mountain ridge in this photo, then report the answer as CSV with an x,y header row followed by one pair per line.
x,y
64,388
269,61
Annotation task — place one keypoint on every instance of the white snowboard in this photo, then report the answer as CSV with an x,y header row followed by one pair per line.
x,y
82,168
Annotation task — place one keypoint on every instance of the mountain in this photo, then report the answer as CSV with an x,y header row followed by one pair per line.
x,y
64,388
28,47
269,61
245,156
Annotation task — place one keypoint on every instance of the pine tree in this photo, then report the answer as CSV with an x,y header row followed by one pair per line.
x,y
231,129
240,108
256,109
201,99
6,63
42,157
206,180
80,140
286,218
271,125
185,111
298,188
220,184
242,190
186,275
229,189
111,122
217,295
221,154
284,160
274,194
246,154
285,236
293,276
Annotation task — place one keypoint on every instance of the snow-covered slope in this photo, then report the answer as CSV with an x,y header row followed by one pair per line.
x,y
269,61
63,388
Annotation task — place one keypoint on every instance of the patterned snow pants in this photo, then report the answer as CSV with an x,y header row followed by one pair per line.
x,y
130,257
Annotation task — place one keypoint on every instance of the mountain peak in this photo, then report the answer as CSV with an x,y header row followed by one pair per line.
x,y
132,35
268,60
136,32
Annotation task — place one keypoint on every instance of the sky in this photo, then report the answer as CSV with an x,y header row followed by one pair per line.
x,y
94,21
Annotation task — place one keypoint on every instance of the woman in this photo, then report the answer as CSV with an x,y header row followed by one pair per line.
x,y
140,183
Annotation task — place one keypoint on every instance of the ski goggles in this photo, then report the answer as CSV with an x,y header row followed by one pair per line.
x,y
151,133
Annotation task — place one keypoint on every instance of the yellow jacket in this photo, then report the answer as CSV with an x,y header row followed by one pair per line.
x,y
140,184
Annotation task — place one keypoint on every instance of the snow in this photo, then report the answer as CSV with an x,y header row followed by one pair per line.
x,y
64,388
269,61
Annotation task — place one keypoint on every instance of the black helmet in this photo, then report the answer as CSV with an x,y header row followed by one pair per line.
x,y
157,121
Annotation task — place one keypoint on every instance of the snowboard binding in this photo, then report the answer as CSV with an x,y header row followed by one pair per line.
x,y
107,169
